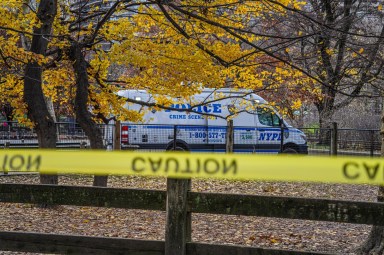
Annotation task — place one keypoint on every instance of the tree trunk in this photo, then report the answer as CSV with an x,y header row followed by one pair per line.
x,y
51,108
33,93
374,245
83,116
325,119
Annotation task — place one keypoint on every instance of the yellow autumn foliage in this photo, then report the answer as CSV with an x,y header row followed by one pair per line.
x,y
171,52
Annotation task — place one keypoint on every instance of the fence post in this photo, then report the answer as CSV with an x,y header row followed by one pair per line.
x,y
174,137
7,145
117,136
372,149
334,138
178,220
281,135
9,130
229,137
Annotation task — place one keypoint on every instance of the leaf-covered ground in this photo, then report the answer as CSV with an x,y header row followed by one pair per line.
x,y
220,229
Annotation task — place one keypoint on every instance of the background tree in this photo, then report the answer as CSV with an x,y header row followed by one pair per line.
x,y
344,53
15,57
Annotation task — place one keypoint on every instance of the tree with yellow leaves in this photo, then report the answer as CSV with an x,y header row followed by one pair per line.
x,y
163,45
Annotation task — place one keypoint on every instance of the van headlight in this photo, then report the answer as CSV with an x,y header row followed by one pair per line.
x,y
303,137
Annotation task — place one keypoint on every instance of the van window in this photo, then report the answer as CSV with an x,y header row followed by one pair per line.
x,y
267,117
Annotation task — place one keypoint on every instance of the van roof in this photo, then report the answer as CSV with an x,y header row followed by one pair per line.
x,y
247,93
227,90
237,92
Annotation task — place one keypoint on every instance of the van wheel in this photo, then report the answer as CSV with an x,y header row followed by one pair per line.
x,y
178,148
289,151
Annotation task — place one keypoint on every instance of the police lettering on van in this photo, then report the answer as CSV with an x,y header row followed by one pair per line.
x,y
210,108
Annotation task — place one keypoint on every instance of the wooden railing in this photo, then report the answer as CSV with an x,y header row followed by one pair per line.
x,y
179,206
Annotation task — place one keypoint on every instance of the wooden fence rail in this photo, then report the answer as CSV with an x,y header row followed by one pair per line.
x,y
70,244
178,217
213,203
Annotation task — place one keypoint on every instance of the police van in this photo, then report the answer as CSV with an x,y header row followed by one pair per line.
x,y
200,124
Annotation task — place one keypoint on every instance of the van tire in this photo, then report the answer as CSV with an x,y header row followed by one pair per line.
x,y
289,151
178,148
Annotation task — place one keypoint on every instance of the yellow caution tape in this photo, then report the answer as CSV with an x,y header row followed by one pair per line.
x,y
192,165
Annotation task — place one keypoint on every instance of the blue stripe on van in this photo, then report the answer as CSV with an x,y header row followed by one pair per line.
x,y
261,129
157,127
248,151
245,128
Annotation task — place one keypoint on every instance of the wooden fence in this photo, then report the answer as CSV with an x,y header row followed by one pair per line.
x,y
179,203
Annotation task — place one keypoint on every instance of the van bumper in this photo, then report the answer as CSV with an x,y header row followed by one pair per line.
x,y
129,147
303,149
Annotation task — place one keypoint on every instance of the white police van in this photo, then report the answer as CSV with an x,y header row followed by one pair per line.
x,y
200,124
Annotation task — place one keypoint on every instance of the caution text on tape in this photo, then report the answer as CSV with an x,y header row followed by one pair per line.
x,y
203,165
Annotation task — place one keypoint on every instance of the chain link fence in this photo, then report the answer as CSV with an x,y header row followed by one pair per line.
x,y
334,141
330,141
69,135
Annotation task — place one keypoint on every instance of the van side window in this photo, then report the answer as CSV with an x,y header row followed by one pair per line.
x,y
267,117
